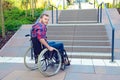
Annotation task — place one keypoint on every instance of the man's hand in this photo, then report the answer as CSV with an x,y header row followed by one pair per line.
x,y
50,48
46,45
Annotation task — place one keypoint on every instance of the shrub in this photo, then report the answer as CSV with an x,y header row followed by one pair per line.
x,y
38,12
12,25
15,17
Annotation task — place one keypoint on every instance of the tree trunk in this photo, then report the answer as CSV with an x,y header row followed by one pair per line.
x,y
32,8
26,12
35,2
114,1
2,18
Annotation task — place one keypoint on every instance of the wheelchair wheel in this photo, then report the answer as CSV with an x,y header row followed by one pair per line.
x,y
29,60
49,63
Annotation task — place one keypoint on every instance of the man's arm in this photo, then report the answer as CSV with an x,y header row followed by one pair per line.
x,y
46,44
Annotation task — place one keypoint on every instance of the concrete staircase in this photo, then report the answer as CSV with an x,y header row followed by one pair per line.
x,y
84,16
82,36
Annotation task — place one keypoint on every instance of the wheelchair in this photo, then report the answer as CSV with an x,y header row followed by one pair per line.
x,y
49,62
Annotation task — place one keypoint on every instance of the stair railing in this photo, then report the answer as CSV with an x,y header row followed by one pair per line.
x,y
52,14
111,24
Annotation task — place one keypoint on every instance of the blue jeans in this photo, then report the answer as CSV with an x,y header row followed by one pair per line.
x,y
57,45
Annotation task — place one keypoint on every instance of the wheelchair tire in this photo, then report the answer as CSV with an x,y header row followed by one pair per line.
x,y
49,65
29,60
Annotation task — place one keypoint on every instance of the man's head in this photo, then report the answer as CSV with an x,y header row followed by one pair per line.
x,y
44,19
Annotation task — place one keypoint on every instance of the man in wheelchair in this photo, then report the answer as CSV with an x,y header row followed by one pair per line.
x,y
39,39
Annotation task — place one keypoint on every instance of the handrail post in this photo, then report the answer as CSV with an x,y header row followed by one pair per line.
x,y
52,15
113,32
98,16
101,13
57,15
79,4
94,3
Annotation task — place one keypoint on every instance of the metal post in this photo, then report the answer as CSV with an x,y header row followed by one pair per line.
x,y
52,16
94,3
57,15
98,16
101,13
113,32
79,4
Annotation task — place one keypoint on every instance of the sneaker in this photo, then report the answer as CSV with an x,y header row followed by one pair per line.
x,y
67,62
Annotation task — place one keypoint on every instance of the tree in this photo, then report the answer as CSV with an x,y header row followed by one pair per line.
x,y
25,4
35,1
113,3
32,7
2,18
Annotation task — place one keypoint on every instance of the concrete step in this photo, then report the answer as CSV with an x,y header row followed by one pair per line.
x,y
89,55
83,42
77,22
78,15
69,37
88,43
77,38
80,37
78,32
98,49
76,27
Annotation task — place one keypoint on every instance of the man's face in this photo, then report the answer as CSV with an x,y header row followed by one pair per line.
x,y
45,20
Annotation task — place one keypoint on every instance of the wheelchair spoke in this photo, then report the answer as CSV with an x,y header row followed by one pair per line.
x,y
43,64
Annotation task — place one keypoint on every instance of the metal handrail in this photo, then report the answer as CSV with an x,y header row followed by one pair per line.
x,y
110,21
99,20
53,11
53,14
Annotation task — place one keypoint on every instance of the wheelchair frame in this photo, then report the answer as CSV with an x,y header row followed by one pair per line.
x,y
34,66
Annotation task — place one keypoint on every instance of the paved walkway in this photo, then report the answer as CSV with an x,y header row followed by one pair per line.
x,y
12,67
